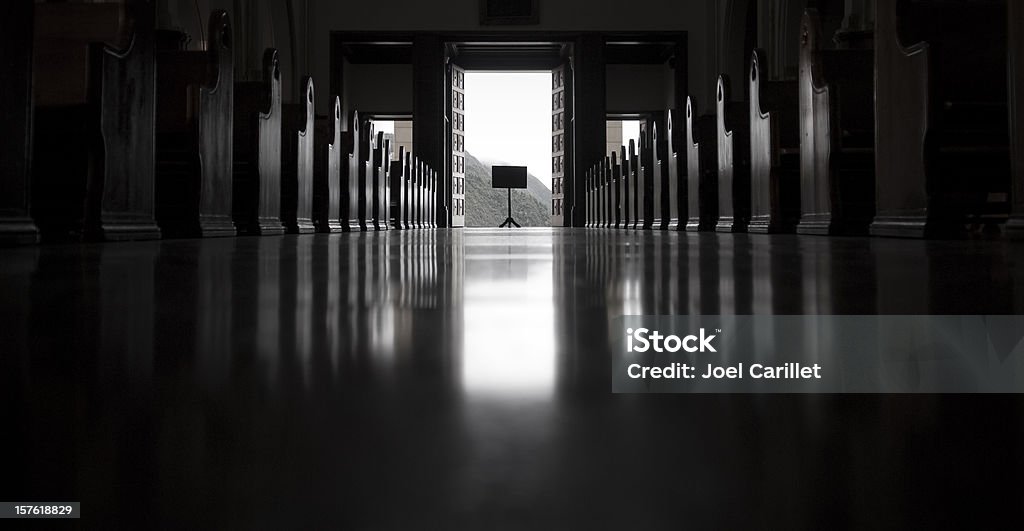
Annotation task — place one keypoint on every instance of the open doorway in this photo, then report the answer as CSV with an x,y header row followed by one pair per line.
x,y
396,130
393,73
618,133
506,120
501,108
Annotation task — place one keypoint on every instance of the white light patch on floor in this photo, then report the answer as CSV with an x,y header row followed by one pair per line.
x,y
508,326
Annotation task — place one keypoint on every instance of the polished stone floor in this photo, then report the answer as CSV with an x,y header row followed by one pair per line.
x,y
460,380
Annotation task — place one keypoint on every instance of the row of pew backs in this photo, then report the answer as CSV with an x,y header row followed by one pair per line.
x,y
800,155
125,134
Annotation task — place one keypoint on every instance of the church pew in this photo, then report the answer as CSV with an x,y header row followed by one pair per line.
x,y
616,190
622,174
297,163
1015,225
596,175
595,213
673,156
16,225
432,211
625,189
414,197
350,175
629,187
170,39
416,173
427,176
397,176
422,196
701,171
94,106
586,195
425,196
367,142
429,199
655,159
381,166
615,220
732,133
599,190
774,151
837,127
651,171
609,192
194,142
415,200
592,213
636,188
407,212
941,103
693,186
602,193
256,193
399,190
387,214
424,199
419,175
327,162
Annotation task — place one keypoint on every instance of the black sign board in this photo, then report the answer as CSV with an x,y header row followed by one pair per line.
x,y
508,176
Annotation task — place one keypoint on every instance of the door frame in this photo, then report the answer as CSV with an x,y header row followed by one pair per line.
x,y
448,40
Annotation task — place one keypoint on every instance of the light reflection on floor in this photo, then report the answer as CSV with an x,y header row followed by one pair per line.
x,y
508,324
461,379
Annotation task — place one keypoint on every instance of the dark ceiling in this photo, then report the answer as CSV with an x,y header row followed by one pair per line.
x,y
485,55
378,52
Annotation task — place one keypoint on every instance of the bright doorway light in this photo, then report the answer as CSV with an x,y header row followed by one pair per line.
x,y
508,120
631,131
618,133
398,131
385,126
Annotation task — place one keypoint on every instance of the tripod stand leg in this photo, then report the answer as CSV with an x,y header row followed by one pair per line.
x,y
509,221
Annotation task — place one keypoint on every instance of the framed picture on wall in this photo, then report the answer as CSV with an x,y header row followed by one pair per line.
x,y
509,12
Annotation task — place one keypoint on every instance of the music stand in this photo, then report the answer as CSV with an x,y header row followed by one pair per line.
x,y
508,177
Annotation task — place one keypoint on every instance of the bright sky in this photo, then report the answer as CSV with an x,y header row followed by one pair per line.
x,y
508,119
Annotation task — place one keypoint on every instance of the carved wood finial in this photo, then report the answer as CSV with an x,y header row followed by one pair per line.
x,y
271,65
220,30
